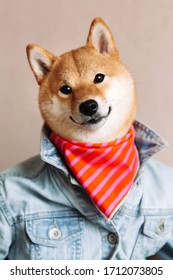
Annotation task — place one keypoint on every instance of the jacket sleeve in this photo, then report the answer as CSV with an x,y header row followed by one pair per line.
x,y
5,237
166,253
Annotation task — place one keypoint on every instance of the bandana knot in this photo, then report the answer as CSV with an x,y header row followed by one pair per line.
x,y
105,170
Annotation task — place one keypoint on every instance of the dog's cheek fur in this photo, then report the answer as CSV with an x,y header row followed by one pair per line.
x,y
121,96
53,112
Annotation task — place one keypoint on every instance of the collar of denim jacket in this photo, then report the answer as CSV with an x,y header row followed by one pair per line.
x,y
147,141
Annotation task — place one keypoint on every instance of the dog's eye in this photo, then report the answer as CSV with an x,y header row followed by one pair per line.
x,y
99,78
66,89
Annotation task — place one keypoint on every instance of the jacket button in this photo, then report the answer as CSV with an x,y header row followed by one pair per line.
x,y
160,228
112,238
55,234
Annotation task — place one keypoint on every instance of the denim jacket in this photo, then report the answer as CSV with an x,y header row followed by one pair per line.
x,y
45,214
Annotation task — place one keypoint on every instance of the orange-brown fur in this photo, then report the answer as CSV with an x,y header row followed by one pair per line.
x,y
77,69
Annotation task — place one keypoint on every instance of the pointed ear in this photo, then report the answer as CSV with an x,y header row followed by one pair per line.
x,y
100,37
40,61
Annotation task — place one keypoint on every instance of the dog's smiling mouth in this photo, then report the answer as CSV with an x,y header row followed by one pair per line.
x,y
92,120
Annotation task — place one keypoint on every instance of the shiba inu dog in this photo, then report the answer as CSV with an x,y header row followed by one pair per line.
x,y
93,192
86,94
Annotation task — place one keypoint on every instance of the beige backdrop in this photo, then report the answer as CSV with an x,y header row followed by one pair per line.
x,y
143,30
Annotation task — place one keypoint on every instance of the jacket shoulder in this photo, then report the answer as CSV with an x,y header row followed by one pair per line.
x,y
29,168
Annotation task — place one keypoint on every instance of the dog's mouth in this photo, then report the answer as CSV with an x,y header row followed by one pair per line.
x,y
93,120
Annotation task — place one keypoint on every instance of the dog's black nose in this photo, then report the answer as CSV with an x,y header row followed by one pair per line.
x,y
89,107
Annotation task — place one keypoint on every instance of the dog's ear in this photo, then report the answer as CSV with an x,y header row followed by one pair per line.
x,y
100,38
40,61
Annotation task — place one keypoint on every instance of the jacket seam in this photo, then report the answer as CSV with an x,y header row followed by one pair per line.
x,y
45,215
6,211
146,212
8,217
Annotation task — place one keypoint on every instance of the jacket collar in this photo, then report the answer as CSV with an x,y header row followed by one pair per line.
x,y
148,144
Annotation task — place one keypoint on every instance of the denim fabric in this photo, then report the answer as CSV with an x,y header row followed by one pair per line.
x,y
45,214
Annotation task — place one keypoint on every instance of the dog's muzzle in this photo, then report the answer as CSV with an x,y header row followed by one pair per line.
x,y
90,110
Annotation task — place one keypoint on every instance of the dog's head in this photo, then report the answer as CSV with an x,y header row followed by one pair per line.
x,y
86,94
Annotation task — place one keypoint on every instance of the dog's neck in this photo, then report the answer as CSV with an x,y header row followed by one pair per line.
x,y
119,134
95,137
105,137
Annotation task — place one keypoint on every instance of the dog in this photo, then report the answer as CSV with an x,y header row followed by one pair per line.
x,y
72,81
94,193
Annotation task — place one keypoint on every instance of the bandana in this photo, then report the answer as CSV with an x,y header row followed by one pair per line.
x,y
106,171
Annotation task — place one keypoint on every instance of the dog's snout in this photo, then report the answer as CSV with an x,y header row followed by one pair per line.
x,y
89,107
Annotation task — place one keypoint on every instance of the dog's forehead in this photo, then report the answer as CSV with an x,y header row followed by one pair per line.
x,y
82,62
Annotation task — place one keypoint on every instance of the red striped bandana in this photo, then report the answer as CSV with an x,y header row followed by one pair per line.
x,y
106,171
